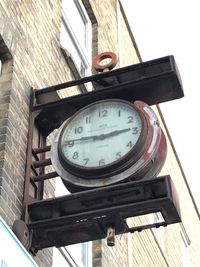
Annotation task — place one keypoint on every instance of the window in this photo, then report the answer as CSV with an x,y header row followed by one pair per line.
x,y
81,254
76,39
185,248
62,257
76,34
78,255
157,218
3,264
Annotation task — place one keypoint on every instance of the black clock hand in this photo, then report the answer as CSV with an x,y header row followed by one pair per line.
x,y
97,137
80,139
116,132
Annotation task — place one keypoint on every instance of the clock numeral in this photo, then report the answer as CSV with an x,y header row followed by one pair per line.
x,y
69,143
88,120
78,130
130,119
118,155
75,155
101,162
119,113
103,113
86,161
129,144
134,130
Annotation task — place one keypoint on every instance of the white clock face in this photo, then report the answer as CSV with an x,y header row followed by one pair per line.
x,y
101,134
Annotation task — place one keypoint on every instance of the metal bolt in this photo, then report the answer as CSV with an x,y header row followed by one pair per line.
x,y
110,237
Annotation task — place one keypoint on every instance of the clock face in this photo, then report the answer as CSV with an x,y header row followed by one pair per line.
x,y
101,135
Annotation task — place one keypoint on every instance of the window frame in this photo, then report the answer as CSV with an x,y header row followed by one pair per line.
x,y
70,259
84,53
185,247
158,234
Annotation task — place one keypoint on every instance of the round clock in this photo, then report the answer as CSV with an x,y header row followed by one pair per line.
x,y
102,138
103,143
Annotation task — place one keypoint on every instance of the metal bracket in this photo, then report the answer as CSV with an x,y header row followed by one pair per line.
x,y
22,232
153,82
89,215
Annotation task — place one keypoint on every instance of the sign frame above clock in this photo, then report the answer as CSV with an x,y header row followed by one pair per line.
x,y
154,82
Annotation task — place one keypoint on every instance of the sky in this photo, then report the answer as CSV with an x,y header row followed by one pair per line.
x,y
163,28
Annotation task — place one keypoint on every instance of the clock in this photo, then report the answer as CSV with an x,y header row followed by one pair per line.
x,y
102,138
104,143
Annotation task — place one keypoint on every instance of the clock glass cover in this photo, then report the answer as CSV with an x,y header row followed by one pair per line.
x,y
101,136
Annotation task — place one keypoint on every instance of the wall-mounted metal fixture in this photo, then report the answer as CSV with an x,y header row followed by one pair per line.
x,y
88,215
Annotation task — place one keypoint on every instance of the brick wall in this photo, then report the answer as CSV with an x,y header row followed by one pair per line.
x,y
5,136
30,32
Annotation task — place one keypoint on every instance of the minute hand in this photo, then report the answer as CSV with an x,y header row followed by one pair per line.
x,y
98,137
114,133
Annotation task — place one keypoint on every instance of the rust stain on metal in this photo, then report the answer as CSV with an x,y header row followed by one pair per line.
x,y
96,63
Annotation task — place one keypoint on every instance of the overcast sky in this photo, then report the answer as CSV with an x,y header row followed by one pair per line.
x,y
171,27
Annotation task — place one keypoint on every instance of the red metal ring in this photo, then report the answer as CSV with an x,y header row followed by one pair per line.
x,y
99,67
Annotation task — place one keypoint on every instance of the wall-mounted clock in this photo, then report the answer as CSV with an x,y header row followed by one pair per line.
x,y
107,142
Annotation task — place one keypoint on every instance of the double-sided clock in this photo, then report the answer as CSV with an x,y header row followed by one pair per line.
x,y
107,142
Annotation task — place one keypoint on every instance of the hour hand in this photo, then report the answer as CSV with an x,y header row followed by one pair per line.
x,y
84,138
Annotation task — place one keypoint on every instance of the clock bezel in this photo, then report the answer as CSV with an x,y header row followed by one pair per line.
x,y
118,165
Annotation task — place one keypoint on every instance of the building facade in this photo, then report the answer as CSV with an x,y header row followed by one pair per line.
x,y
47,42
